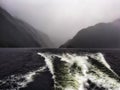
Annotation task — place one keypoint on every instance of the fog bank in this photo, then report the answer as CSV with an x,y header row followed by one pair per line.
x,y
62,19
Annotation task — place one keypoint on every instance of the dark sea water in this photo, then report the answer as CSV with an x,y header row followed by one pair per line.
x,y
59,69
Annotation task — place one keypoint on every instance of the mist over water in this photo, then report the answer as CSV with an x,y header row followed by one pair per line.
x,y
62,19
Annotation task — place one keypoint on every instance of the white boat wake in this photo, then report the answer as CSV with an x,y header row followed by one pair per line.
x,y
83,71
78,72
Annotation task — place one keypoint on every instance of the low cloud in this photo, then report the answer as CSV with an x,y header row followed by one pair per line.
x,y
62,19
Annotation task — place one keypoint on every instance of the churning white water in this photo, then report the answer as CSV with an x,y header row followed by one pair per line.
x,y
73,71
22,80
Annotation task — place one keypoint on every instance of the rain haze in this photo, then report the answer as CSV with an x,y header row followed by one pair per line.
x,y
62,19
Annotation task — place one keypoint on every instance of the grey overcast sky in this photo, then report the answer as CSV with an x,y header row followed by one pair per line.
x,y
62,19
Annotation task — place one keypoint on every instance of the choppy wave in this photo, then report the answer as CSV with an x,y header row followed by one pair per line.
x,y
70,72
15,82
81,72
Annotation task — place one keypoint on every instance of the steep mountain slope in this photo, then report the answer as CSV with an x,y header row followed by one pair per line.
x,y
16,33
103,35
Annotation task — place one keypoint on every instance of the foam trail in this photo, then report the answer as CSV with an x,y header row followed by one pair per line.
x,y
21,81
75,72
29,76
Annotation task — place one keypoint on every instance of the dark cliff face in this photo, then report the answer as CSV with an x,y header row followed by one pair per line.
x,y
16,33
103,35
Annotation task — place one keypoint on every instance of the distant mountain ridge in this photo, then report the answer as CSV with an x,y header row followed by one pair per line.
x,y
102,35
16,33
